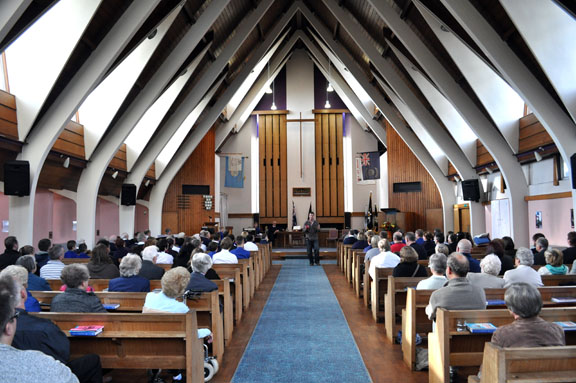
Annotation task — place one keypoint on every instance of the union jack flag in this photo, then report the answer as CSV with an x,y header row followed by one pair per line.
x,y
365,159
370,165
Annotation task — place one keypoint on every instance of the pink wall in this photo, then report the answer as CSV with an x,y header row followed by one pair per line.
x,y
142,222
107,218
555,219
62,219
4,216
43,212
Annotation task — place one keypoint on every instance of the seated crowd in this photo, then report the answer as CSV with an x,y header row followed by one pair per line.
x,y
128,264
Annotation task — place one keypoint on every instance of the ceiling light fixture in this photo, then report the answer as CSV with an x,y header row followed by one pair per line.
x,y
66,162
115,174
329,89
147,183
268,90
490,171
456,178
537,155
273,107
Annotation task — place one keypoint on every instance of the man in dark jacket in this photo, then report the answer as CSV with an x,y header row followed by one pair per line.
x,y
201,263
570,252
410,238
42,256
149,269
11,253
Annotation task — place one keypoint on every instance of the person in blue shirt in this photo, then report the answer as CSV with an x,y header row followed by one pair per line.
x,y
465,247
35,283
129,280
71,253
239,251
212,248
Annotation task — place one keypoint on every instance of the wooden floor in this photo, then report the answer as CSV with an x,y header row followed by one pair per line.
x,y
383,360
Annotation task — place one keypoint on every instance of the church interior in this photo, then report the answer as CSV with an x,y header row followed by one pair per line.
x,y
127,116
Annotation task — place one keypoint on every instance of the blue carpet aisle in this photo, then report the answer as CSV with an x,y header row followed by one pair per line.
x,y
302,335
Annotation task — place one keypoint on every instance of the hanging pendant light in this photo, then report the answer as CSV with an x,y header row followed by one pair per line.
x,y
273,107
268,90
329,89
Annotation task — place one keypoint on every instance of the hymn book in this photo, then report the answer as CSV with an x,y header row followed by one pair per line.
x,y
86,330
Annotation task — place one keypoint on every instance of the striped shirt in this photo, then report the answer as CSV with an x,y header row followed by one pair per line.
x,y
52,269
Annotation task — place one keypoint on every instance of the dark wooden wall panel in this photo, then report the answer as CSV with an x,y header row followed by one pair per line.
x,y
189,209
329,167
71,141
532,134
483,157
403,166
119,160
273,168
8,119
151,173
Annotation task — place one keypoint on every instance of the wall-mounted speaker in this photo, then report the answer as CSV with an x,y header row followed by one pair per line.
x,y
573,170
471,190
17,178
128,196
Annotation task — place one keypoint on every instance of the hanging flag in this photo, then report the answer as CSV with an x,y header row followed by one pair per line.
x,y
369,214
310,209
234,177
294,222
370,165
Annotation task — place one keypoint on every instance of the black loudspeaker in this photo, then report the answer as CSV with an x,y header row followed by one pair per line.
x,y
347,220
471,190
573,169
17,178
128,197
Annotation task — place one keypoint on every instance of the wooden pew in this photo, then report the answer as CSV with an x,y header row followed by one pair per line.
x,y
251,274
138,341
557,280
206,305
378,288
357,275
366,293
449,347
69,261
415,321
228,308
243,282
165,266
236,289
535,364
342,256
395,302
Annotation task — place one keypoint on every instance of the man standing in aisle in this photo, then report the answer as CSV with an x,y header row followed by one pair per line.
x,y
311,229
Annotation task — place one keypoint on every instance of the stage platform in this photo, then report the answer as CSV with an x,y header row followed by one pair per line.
x,y
299,253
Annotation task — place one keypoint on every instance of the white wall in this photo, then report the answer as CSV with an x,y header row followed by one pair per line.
x,y
300,99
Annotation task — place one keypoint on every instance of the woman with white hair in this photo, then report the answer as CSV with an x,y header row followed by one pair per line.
x,y
20,275
488,278
129,280
201,263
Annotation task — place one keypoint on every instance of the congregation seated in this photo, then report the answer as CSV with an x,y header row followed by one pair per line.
x,y
212,248
385,258
437,265
452,242
569,253
464,247
75,298
524,302
164,258
361,243
523,272
240,252
411,241
73,251
35,283
121,251
249,245
496,246
184,255
398,242
409,266
23,365
20,275
488,278
53,268
374,249
11,253
34,333
350,238
428,244
129,280
458,293
201,263
224,255
540,245
554,263
42,256
174,283
442,248
149,269
26,250
101,265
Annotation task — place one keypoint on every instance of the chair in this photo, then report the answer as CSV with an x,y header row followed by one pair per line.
x,y
332,236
